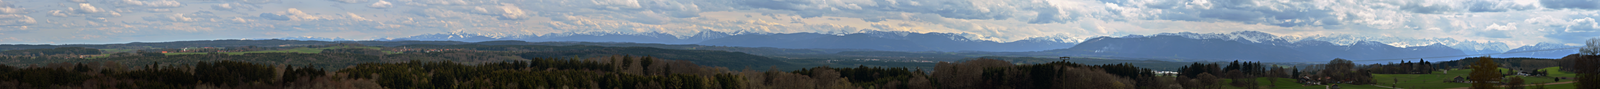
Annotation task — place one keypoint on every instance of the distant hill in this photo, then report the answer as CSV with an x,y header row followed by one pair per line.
x,y
221,43
703,57
1503,61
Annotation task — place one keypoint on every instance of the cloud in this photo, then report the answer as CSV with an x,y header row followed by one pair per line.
x,y
15,20
351,1
1570,4
1576,30
354,16
380,4
291,14
156,3
1496,6
11,10
169,17
233,7
505,11
1404,22
85,8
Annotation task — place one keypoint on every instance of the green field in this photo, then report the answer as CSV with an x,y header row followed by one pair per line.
x,y
1414,81
1437,79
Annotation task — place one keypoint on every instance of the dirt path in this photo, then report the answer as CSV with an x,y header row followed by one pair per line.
x,y
1554,83
1387,87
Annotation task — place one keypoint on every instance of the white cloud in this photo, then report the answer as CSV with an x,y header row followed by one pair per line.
x,y
224,6
11,10
380,4
86,8
506,11
15,20
1403,22
170,17
353,16
155,3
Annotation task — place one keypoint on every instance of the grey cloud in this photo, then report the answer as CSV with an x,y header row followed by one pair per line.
x,y
234,6
11,10
504,11
498,11
1280,18
294,14
351,1
649,18
441,13
1490,6
259,1
1243,11
222,7
1570,4
1494,34
1233,15
1233,4
1584,28
1430,9
154,3
15,20
204,16
272,16
776,4
170,17
1051,15
958,9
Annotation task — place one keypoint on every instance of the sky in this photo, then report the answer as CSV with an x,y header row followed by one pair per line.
x,y
1461,23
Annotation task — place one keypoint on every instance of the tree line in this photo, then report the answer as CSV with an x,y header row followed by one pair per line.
x,y
597,72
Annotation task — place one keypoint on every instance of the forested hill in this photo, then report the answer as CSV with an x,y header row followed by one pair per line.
x,y
703,57
1515,62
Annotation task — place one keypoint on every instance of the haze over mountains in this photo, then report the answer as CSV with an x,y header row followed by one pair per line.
x,y
1242,45
888,41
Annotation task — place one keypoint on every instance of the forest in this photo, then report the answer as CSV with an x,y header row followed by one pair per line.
x,y
598,72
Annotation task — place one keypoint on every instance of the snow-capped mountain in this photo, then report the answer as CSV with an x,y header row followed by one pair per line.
x,y
1467,47
1211,47
309,38
594,37
1481,48
890,41
1542,50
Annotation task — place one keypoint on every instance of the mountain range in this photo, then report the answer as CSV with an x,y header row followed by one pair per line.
x,y
1242,45
1541,50
1175,46
887,41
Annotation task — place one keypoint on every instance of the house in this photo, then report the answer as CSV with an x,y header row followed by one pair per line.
x,y
1458,79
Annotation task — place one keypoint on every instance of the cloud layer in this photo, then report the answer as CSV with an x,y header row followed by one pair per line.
x,y
1398,22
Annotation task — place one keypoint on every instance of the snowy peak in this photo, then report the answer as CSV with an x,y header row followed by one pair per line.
x,y
1247,36
1248,45
1542,50
1472,47
888,41
311,38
